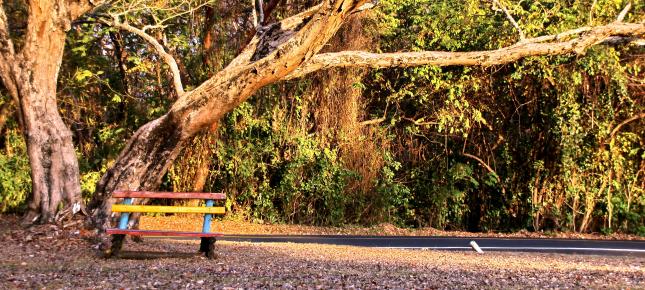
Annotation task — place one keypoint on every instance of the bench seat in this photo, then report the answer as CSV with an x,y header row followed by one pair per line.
x,y
162,233
168,209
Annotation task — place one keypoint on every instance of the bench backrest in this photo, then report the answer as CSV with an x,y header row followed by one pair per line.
x,y
127,207
172,195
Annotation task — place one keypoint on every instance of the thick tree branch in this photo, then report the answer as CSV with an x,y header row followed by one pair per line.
x,y
161,51
529,47
7,55
287,24
155,145
274,52
80,7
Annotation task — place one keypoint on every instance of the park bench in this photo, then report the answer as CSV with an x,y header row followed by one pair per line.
x,y
208,239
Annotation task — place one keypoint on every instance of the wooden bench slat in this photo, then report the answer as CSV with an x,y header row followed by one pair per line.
x,y
161,233
173,195
168,209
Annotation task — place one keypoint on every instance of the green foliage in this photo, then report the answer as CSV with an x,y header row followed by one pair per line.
x,y
277,177
396,197
555,113
15,179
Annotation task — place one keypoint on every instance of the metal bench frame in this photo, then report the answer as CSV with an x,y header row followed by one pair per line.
x,y
208,239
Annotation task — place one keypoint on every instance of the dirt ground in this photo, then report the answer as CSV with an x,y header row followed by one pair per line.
x,y
56,257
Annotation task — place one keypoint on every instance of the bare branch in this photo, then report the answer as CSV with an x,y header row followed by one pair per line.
x,y
623,13
372,122
623,123
419,122
529,47
168,58
484,164
259,12
510,18
591,10
375,121
254,13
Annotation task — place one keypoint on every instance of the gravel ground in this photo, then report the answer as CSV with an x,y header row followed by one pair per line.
x,y
52,257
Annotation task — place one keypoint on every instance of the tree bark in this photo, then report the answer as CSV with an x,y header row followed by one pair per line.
x,y
140,165
30,75
52,158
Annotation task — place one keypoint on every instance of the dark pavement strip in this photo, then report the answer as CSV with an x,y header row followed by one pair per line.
x,y
572,246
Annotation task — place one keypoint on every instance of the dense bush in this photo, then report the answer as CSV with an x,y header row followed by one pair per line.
x,y
537,144
15,182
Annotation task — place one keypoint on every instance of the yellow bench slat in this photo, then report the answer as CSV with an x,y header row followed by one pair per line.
x,y
168,209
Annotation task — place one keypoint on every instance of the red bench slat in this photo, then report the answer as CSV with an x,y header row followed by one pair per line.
x,y
174,195
162,233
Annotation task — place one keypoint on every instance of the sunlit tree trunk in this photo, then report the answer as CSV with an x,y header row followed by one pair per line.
x,y
30,75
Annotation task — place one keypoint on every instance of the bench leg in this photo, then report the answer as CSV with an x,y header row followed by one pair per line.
x,y
117,244
207,246
203,246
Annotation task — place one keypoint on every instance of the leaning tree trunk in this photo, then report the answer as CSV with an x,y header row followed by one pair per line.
x,y
31,76
274,52
140,165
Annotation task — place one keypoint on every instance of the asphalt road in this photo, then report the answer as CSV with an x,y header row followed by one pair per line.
x,y
597,247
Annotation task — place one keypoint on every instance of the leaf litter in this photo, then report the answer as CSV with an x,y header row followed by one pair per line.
x,y
53,257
